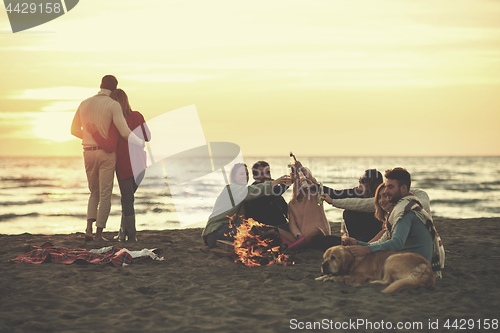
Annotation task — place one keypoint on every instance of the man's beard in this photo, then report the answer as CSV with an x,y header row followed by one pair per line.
x,y
396,197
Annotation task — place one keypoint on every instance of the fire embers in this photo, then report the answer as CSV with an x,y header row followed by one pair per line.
x,y
256,244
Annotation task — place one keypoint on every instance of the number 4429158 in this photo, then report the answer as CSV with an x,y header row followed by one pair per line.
x,y
471,324
32,8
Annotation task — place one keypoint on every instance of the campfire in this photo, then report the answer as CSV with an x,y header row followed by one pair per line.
x,y
256,244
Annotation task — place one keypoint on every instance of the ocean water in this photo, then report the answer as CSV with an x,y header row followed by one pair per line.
x,y
49,195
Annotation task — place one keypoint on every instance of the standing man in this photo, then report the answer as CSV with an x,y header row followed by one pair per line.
x,y
269,210
100,110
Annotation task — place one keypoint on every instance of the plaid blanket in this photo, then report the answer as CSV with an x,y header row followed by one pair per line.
x,y
61,255
412,203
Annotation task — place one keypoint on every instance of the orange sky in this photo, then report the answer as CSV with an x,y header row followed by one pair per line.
x,y
316,77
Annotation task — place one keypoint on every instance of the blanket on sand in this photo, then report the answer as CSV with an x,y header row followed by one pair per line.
x,y
115,256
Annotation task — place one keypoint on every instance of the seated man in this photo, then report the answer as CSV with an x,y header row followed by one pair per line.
x,y
361,224
409,226
270,210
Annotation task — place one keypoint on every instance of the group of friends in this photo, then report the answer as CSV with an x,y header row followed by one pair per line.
x,y
379,215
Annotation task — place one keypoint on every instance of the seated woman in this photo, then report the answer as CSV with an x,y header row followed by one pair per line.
x,y
358,217
383,207
307,220
229,209
412,231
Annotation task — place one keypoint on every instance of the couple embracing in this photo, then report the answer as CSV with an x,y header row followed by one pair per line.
x,y
105,122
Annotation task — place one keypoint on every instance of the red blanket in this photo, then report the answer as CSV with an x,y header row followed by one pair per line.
x,y
61,255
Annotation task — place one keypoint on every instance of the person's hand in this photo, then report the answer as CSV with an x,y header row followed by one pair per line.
x,y
306,172
327,198
359,251
361,189
351,241
283,180
90,127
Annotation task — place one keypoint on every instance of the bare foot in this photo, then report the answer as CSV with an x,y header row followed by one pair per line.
x,y
88,231
88,235
98,236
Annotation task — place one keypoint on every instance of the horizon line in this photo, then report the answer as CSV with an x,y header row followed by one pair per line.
x,y
273,156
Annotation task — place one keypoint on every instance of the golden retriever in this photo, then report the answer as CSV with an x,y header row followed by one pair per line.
x,y
398,270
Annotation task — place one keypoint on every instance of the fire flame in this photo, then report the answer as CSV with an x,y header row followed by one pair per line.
x,y
252,249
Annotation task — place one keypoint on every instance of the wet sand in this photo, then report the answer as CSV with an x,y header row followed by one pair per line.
x,y
196,290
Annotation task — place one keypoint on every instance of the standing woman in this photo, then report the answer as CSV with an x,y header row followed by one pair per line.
x,y
126,156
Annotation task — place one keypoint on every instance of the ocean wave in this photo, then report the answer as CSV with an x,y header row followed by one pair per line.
x,y
459,186
456,202
28,186
494,210
73,215
11,216
24,179
21,203
492,183
6,217
471,188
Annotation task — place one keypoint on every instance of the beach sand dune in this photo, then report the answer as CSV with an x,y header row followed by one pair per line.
x,y
195,290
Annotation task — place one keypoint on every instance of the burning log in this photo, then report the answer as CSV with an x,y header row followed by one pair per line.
x,y
256,244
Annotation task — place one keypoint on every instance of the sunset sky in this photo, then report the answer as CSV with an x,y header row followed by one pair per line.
x,y
318,77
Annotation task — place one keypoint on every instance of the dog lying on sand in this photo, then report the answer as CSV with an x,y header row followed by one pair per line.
x,y
397,270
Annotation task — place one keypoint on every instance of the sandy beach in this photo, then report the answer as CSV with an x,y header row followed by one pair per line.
x,y
196,290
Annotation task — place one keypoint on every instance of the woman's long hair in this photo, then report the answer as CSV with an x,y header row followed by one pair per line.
x,y
234,171
379,212
121,97
372,178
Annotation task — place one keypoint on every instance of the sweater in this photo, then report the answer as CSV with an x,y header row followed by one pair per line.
x,y
410,235
368,205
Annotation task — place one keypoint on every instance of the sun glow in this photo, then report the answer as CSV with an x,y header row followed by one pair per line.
x,y
53,126
349,67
